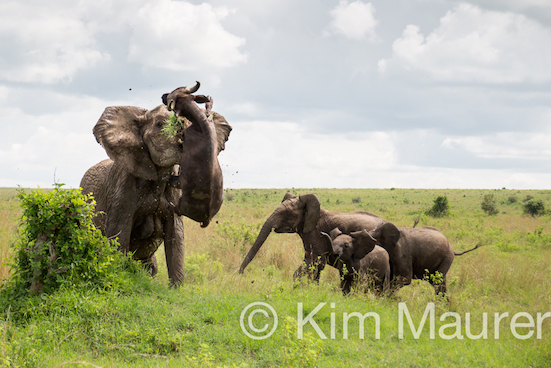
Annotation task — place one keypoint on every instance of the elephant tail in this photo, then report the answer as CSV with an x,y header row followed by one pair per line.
x,y
468,250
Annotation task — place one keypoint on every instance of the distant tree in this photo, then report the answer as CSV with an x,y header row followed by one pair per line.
x,y
534,207
489,205
512,199
440,208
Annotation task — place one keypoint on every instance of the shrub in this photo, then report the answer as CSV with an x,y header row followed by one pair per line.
x,y
440,207
534,207
527,198
489,205
59,245
512,199
356,200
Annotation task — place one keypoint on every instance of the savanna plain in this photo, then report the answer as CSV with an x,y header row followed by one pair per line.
x,y
149,324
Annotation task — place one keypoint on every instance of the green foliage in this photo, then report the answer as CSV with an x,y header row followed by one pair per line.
x,y
440,207
240,234
201,267
512,199
148,324
435,278
489,205
173,125
538,238
534,207
304,352
58,244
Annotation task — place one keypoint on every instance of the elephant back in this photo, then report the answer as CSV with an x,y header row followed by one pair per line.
x,y
94,182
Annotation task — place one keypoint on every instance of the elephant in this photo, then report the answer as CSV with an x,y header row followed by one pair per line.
x,y
304,216
200,179
360,259
415,253
132,188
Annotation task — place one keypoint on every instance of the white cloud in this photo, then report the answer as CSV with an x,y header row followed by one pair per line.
x,y
51,42
283,154
354,20
505,145
34,147
44,42
476,45
181,36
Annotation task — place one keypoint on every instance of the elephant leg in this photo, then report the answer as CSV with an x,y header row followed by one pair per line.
x,y
441,288
120,229
399,281
174,249
311,267
151,265
346,283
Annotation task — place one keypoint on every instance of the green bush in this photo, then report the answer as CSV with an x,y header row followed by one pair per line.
x,y
58,245
534,207
173,125
440,207
512,199
489,205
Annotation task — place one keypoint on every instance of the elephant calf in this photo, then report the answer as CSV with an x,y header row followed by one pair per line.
x,y
360,259
415,253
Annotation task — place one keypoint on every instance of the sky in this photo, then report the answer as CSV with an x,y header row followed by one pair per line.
x,y
320,94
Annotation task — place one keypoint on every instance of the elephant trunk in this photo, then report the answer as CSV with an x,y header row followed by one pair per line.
x,y
336,251
260,239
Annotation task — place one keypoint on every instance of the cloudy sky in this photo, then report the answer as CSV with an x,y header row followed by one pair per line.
x,y
332,93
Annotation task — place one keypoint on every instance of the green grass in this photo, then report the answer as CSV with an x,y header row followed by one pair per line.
x,y
198,325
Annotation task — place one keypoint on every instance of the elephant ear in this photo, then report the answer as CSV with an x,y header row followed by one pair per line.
x,y
287,196
335,232
118,131
363,243
387,234
223,130
312,211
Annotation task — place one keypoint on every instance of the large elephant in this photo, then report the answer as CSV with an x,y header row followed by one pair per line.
x,y
201,176
304,216
132,188
415,253
359,259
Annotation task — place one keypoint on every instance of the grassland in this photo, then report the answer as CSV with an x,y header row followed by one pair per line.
x,y
198,325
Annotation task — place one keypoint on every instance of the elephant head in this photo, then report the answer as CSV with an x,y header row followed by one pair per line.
x,y
387,236
132,138
294,215
200,175
351,248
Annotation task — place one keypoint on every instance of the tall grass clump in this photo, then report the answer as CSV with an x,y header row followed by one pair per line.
x,y
58,245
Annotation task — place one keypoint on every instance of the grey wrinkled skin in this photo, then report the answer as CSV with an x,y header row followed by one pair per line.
x,y
133,189
201,178
304,216
360,260
416,253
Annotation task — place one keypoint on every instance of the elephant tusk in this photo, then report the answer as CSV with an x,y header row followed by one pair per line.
x,y
170,105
